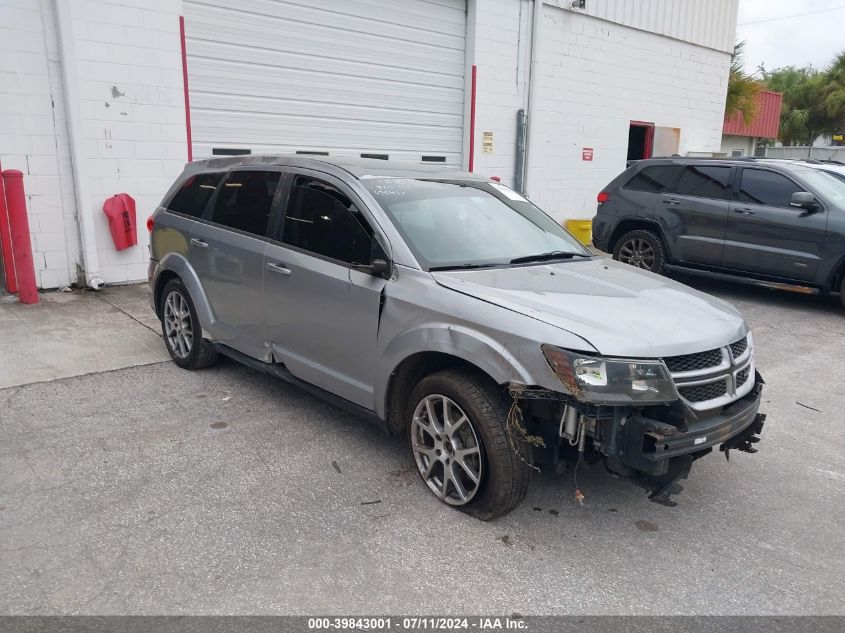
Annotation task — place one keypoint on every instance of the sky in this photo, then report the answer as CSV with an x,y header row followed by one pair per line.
x,y
812,32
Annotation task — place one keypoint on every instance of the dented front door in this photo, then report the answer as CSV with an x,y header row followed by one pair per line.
x,y
321,314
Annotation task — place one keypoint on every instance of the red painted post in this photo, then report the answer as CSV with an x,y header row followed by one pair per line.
x,y
21,244
185,87
6,243
472,95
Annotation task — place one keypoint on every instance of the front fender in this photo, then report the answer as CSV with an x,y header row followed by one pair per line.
x,y
462,342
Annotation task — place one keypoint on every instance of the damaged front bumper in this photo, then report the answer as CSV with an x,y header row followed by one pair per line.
x,y
653,447
663,441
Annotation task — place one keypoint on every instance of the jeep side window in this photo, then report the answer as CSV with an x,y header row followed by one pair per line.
x,y
245,201
656,179
766,187
324,221
194,194
706,181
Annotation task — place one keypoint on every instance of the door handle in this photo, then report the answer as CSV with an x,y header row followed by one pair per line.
x,y
199,243
671,201
744,211
278,268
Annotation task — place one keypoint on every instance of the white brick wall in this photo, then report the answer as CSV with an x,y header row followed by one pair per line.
x,y
31,137
128,67
502,47
594,77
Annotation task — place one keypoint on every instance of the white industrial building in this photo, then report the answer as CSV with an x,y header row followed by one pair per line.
x,y
93,97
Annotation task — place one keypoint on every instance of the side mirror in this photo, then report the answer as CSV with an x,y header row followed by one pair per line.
x,y
378,268
381,268
803,200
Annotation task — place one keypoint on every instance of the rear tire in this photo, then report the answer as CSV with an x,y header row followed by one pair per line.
x,y
642,249
181,328
469,461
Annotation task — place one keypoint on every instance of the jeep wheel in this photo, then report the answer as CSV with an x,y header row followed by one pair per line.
x,y
842,292
642,249
181,329
460,445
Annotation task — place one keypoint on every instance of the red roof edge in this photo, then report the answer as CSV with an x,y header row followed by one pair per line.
x,y
766,122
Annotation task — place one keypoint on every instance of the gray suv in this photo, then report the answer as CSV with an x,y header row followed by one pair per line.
x,y
776,223
451,311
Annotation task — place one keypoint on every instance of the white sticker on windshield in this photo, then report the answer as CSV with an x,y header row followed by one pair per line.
x,y
509,193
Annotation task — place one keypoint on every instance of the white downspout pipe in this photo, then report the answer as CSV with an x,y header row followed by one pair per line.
x,y
84,209
531,136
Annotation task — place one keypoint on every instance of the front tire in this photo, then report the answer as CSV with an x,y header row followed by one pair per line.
x,y
458,433
181,328
642,249
842,292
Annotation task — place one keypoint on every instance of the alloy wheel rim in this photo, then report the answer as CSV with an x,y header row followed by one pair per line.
x,y
637,252
178,328
446,449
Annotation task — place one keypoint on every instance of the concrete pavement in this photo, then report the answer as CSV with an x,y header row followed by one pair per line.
x,y
152,490
74,333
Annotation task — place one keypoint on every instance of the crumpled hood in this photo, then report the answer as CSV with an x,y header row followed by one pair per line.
x,y
619,309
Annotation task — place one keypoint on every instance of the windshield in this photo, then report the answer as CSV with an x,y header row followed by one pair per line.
x,y
839,173
468,224
827,185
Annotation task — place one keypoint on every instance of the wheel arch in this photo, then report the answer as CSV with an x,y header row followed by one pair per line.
x,y
837,275
176,266
633,224
421,352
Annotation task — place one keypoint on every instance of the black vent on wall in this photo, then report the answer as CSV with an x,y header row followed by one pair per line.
x,y
229,151
434,159
308,152
377,156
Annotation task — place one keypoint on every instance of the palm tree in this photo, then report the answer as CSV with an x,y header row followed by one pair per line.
x,y
833,94
802,117
742,88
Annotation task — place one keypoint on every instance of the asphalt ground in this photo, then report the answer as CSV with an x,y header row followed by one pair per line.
x,y
149,489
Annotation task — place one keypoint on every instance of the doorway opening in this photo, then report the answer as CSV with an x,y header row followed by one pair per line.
x,y
640,140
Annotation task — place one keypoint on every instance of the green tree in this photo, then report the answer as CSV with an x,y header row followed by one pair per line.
x,y
742,88
802,115
833,94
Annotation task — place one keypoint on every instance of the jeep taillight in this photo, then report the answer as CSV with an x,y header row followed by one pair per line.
x,y
603,197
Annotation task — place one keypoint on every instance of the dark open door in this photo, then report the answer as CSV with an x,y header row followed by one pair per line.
x,y
640,140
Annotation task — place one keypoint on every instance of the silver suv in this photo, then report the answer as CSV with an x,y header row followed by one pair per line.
x,y
449,309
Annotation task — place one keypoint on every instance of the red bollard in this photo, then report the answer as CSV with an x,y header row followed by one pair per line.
x,y
21,244
6,243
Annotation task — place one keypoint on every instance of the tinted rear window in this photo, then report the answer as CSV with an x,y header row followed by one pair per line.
x,y
706,181
194,194
657,179
246,200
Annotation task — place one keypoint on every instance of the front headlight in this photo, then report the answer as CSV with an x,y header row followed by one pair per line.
x,y
602,380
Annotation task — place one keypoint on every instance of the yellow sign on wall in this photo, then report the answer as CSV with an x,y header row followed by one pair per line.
x,y
487,142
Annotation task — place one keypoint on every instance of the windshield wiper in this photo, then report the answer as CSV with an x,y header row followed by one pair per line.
x,y
540,257
467,266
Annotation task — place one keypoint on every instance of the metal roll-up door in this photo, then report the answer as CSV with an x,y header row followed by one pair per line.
x,y
376,77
